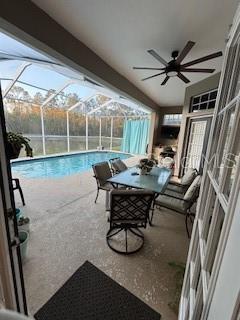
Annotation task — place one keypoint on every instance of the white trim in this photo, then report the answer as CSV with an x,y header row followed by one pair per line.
x,y
208,253
18,74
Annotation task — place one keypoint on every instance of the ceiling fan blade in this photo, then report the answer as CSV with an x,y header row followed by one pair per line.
x,y
183,78
165,80
197,70
155,75
206,58
156,56
146,68
185,51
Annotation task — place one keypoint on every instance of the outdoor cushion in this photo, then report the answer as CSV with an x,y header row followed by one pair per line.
x,y
172,203
193,189
176,188
173,193
188,177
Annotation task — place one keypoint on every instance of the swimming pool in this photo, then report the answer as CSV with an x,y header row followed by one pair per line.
x,y
64,165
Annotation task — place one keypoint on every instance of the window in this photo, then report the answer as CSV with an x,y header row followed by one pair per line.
x,y
172,119
204,101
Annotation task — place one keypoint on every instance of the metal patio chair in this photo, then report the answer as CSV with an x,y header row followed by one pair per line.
x,y
117,165
129,211
102,172
185,182
16,186
181,203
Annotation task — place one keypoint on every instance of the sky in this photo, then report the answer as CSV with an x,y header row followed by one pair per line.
x,y
43,76
35,74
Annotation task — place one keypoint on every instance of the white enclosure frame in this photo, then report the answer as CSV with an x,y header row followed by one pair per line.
x,y
98,90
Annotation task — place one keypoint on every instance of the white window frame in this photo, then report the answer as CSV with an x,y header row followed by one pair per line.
x,y
199,309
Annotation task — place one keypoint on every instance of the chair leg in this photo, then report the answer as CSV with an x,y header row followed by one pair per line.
x,y
186,223
97,195
151,217
138,234
113,234
126,243
21,195
135,231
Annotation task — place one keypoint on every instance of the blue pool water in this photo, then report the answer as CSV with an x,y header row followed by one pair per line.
x,y
60,166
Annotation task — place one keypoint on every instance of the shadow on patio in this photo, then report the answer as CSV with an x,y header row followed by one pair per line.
x,y
67,229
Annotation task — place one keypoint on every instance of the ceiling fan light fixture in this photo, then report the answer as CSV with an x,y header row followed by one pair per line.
x,y
172,73
174,68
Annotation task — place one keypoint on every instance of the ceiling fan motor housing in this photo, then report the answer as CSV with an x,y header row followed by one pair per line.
x,y
172,66
175,54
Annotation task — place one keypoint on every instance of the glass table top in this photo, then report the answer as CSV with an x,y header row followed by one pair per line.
x,y
156,180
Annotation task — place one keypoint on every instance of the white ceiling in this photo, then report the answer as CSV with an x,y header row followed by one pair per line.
x,y
121,31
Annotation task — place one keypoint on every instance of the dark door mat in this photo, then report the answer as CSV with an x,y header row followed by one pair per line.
x,y
91,295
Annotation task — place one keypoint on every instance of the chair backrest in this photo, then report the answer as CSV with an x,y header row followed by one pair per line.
x,y
111,161
189,176
167,162
102,172
117,165
193,191
130,206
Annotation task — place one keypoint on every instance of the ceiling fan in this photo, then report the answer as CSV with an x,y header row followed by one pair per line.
x,y
175,68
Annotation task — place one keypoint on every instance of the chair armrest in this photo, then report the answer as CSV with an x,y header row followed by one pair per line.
x,y
170,196
115,185
175,183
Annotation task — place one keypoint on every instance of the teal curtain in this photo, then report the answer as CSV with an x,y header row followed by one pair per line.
x,y
135,136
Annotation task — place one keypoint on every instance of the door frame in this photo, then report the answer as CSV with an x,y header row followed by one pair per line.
x,y
226,104
12,273
187,137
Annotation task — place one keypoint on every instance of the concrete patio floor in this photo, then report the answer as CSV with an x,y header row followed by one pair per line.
x,y
68,228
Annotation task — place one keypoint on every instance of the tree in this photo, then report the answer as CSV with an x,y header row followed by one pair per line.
x,y
38,98
18,93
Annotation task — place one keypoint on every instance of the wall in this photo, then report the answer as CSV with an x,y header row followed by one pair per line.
x,y
16,18
205,85
160,115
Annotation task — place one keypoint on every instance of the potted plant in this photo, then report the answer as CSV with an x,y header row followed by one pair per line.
x,y
15,142
146,165
24,224
23,237
18,214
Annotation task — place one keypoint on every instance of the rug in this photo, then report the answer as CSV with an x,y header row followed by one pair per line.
x,y
91,295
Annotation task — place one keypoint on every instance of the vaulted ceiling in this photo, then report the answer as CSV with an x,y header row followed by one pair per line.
x,y
121,32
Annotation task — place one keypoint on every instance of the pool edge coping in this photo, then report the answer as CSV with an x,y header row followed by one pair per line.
x,y
58,155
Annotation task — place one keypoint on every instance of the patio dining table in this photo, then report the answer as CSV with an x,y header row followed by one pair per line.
x,y
156,180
